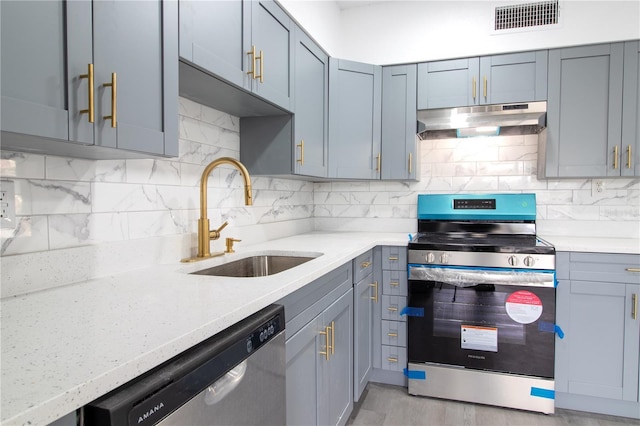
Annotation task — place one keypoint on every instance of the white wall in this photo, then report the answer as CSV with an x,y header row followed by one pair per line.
x,y
390,32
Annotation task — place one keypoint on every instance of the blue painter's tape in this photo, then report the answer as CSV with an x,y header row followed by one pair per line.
x,y
415,374
412,312
543,393
551,328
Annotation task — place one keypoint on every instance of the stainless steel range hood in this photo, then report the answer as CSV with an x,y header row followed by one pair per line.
x,y
482,120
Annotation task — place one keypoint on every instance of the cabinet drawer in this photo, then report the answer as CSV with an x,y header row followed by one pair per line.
x,y
392,306
605,267
394,358
362,266
394,258
394,283
394,333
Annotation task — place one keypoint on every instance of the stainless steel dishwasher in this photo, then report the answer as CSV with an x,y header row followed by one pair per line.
x,y
237,377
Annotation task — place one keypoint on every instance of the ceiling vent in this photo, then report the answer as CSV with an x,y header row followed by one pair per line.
x,y
526,16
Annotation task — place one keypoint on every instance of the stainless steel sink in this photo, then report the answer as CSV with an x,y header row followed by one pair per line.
x,y
255,266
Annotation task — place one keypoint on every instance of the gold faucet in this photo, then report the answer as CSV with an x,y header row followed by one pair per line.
x,y
205,234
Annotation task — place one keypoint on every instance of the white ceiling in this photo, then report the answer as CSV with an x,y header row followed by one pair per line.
x,y
350,4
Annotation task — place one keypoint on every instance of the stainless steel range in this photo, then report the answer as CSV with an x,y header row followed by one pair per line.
x,y
481,307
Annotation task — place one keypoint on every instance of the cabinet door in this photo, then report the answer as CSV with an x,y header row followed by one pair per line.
x,y
311,95
213,36
303,364
599,353
272,34
584,111
337,373
452,83
630,162
46,46
514,77
399,147
354,119
364,299
139,42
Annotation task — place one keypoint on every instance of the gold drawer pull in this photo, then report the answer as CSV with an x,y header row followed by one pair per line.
x,y
392,359
473,88
327,350
411,158
393,258
364,265
375,292
632,269
378,163
485,86
392,334
634,306
114,101
90,109
301,146
261,76
333,337
628,156
252,52
394,284
615,157
392,309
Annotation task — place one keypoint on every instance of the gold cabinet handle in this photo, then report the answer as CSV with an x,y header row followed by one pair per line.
x,y
473,88
632,269
628,156
392,309
392,359
393,258
261,76
378,161
90,111
301,146
615,157
333,337
252,71
392,334
394,283
484,84
375,292
634,306
327,349
365,265
114,101
410,158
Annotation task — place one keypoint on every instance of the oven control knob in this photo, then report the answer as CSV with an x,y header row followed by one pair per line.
x,y
444,258
529,261
430,257
513,260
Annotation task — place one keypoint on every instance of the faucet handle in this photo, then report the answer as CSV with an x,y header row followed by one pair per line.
x,y
215,234
229,244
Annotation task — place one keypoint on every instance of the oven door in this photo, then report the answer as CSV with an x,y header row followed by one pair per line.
x,y
499,320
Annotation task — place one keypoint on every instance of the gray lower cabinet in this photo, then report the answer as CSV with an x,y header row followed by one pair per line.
x,y
584,112
247,43
354,119
364,300
630,151
398,135
506,78
597,307
319,350
70,73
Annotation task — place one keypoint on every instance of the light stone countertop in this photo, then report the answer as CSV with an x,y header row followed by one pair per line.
x,y
64,347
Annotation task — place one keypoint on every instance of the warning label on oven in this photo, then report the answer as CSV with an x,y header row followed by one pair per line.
x,y
479,338
523,307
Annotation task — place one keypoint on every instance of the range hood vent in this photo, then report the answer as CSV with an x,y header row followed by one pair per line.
x,y
505,119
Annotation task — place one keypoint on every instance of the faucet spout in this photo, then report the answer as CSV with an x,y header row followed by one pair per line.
x,y
205,234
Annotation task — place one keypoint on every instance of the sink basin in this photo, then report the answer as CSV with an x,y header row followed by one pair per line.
x,y
255,266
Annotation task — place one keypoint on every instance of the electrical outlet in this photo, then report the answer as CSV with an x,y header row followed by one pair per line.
x,y
7,205
597,186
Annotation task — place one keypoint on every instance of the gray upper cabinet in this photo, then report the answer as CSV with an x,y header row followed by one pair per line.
x,y
247,43
399,145
311,106
56,59
630,163
584,112
512,77
354,119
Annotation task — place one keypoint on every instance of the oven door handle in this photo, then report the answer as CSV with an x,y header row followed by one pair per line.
x,y
471,277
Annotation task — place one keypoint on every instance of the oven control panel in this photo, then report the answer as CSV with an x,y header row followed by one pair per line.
x,y
483,259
